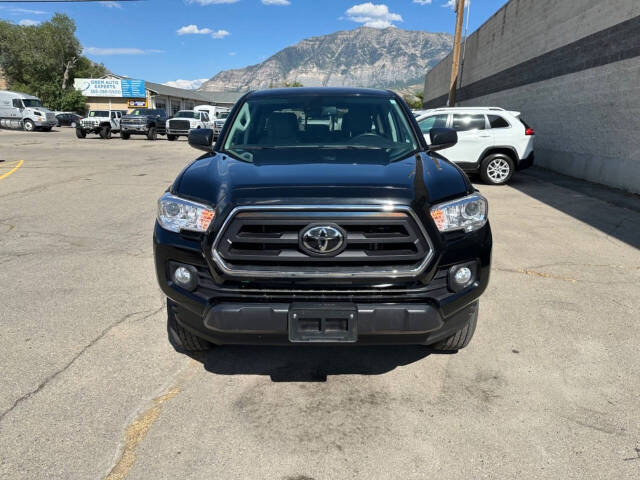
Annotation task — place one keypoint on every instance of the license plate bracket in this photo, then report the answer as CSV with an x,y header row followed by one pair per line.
x,y
309,323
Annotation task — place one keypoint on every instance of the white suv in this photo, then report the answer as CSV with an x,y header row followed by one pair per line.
x,y
491,141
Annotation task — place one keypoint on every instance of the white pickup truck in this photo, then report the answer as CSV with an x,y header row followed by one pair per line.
x,y
100,122
186,120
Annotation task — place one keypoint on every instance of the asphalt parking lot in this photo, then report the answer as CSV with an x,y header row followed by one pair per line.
x,y
91,389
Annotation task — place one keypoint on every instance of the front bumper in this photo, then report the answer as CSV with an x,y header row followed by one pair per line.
x,y
225,310
45,123
133,128
269,323
174,131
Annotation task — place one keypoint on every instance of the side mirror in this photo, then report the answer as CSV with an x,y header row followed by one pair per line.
x,y
202,139
442,138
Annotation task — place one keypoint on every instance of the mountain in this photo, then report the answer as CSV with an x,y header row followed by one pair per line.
x,y
364,57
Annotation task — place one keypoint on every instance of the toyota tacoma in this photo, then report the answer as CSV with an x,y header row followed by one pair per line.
x,y
321,216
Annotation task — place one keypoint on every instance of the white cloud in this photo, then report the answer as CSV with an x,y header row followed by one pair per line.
x,y
276,2
450,4
118,51
422,2
376,16
188,84
193,30
232,54
111,4
24,10
220,34
26,22
211,2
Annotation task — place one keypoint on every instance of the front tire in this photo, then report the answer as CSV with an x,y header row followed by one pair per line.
x,y
497,169
28,125
463,336
171,138
182,338
105,133
152,134
125,136
80,133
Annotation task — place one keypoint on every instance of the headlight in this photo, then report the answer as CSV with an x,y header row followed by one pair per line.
x,y
175,214
468,214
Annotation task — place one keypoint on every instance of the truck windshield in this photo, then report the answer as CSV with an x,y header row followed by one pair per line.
x,y
98,113
32,103
141,111
187,114
339,127
222,115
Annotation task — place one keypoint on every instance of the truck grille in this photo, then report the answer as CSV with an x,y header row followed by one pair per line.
x,y
134,121
267,243
179,124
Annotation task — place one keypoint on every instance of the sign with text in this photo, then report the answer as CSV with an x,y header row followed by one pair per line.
x,y
137,103
110,87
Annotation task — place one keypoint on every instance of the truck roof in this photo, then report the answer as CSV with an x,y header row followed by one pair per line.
x,y
11,94
320,91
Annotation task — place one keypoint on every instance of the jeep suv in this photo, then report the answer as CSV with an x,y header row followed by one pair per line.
x,y
491,141
321,215
144,121
100,122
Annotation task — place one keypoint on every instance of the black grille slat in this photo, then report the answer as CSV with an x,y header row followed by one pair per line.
x,y
268,240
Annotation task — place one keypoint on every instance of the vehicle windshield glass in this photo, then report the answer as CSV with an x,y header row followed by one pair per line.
x,y
31,103
188,114
342,127
98,113
141,111
222,115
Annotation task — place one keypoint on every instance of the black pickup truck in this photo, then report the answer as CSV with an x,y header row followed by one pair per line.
x,y
143,121
321,215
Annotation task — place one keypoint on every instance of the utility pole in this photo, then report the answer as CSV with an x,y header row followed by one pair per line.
x,y
455,63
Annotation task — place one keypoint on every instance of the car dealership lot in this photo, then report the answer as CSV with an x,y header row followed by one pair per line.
x,y
548,387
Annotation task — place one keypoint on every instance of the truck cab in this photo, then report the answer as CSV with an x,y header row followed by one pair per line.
x,y
23,111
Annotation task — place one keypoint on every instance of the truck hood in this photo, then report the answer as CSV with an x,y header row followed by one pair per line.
x,y
224,181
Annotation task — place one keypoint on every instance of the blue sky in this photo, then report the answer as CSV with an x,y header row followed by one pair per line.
x,y
167,40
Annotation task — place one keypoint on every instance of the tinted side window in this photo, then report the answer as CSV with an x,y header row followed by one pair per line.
x,y
434,121
463,122
17,103
497,121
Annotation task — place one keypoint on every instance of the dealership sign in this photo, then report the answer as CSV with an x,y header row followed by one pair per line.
x,y
110,87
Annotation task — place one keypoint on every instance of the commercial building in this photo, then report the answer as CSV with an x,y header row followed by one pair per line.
x,y
572,69
122,93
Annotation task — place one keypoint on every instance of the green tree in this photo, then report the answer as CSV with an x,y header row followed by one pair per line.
x,y
293,84
44,59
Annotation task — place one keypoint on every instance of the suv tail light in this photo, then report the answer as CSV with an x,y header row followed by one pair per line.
x,y
529,131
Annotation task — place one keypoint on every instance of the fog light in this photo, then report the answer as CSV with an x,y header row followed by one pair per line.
x,y
185,276
462,276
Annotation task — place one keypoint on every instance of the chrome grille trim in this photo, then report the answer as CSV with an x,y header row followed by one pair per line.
x,y
340,272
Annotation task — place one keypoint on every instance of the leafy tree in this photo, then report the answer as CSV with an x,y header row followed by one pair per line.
x,y
293,84
44,59
415,100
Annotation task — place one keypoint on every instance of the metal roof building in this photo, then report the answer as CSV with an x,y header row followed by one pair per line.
x,y
121,93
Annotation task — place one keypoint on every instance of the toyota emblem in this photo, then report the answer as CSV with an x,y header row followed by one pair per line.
x,y
322,240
